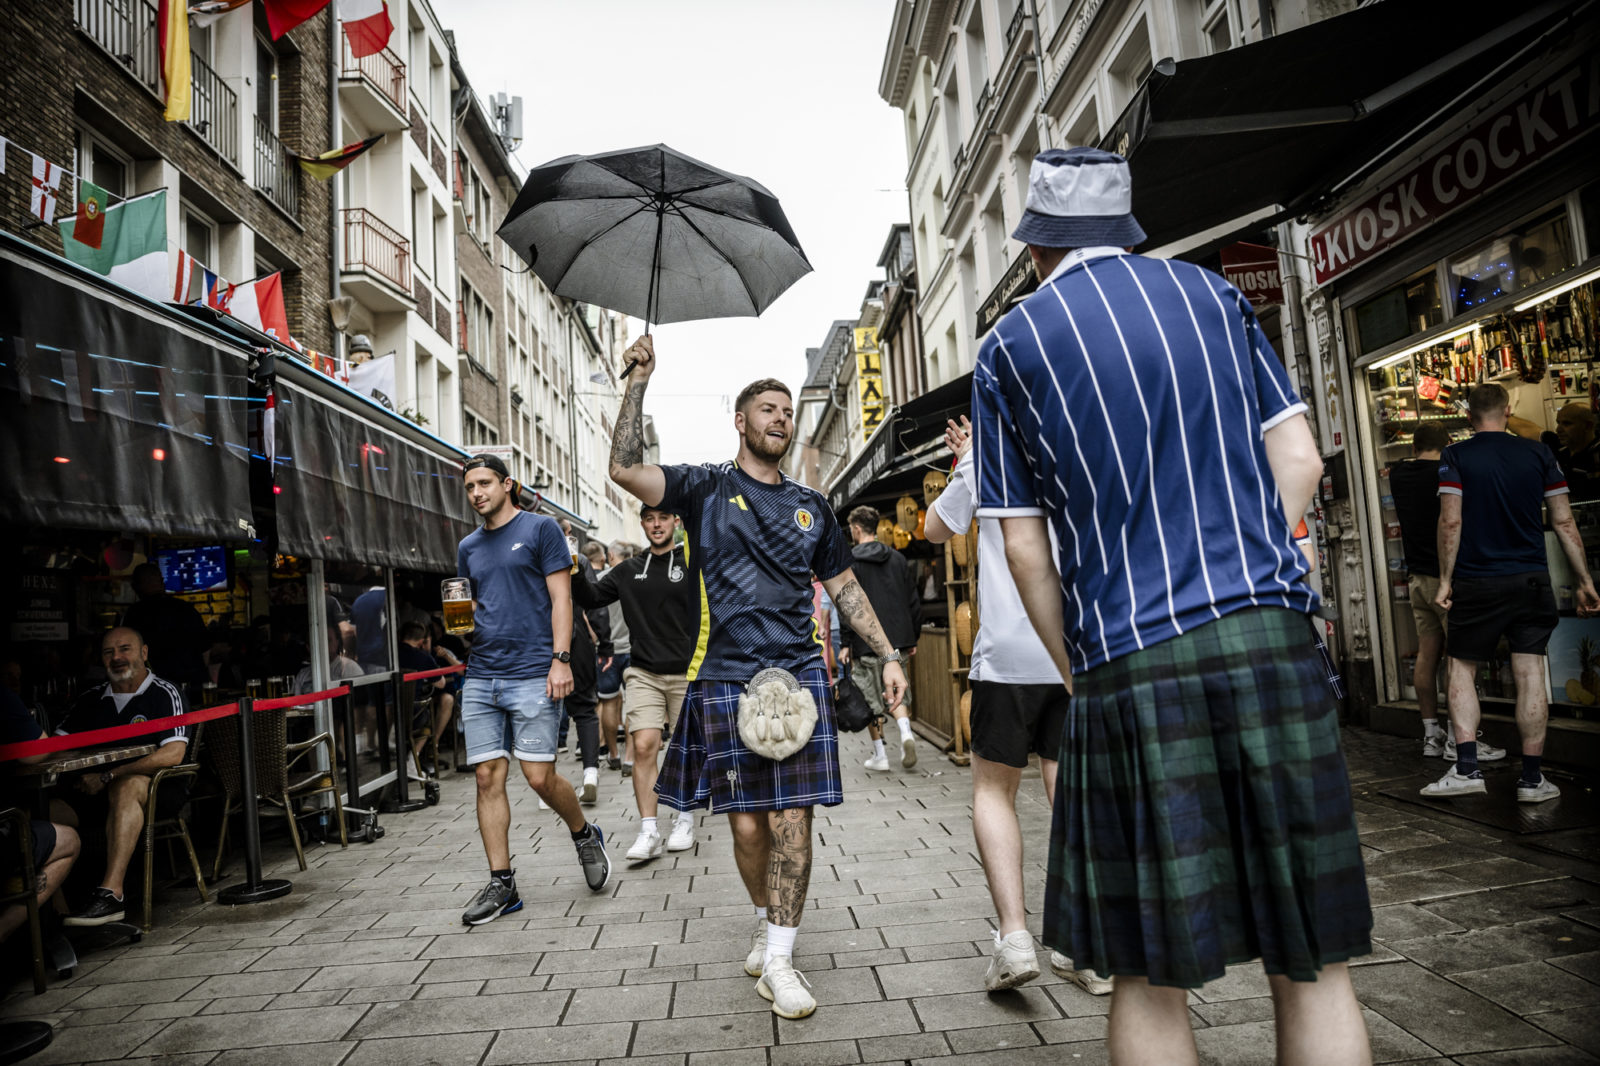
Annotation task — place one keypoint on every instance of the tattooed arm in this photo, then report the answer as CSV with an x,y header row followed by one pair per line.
x,y
628,468
856,612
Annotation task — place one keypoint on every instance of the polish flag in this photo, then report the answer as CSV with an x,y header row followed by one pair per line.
x,y
367,24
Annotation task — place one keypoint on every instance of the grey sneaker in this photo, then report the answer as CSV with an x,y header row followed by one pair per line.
x,y
1433,746
758,949
103,909
908,753
496,898
1526,793
1013,963
786,989
1087,980
592,855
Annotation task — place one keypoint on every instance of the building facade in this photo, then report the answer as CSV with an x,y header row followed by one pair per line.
x,y
82,88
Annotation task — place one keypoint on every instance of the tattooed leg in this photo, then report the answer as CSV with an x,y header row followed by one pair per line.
x,y
751,847
789,868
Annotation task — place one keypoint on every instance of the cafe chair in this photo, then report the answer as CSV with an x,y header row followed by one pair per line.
x,y
20,889
282,778
421,703
171,828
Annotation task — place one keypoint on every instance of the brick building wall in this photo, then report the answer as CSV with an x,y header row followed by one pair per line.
x,y
61,75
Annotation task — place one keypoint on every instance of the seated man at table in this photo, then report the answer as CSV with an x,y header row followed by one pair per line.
x,y
55,847
416,656
133,695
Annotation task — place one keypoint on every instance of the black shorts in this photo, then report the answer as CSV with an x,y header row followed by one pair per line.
x,y
44,842
1519,607
1010,721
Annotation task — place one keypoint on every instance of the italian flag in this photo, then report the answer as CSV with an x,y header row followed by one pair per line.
x,y
133,245
366,23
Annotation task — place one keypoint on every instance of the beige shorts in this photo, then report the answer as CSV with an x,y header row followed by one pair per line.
x,y
867,672
652,701
1428,616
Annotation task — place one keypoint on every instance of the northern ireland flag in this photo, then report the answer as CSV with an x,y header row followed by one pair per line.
x,y
366,23
46,181
257,303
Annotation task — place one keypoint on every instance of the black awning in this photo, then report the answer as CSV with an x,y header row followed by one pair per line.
x,y
1283,121
351,487
893,459
116,415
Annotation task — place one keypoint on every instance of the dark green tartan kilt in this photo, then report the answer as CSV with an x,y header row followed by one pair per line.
x,y
1203,814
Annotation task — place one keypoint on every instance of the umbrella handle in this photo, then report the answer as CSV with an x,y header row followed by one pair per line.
x,y
632,362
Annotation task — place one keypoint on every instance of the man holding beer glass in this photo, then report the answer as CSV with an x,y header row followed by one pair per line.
x,y
521,582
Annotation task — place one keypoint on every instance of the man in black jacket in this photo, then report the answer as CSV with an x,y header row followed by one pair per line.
x,y
886,578
591,642
661,605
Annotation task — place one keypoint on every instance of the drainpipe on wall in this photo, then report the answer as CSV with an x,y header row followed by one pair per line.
x,y
335,124
1041,120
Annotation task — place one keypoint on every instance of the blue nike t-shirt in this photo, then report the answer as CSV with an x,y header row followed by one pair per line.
x,y
508,566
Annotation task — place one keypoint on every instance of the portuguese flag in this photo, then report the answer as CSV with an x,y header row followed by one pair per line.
x,y
133,244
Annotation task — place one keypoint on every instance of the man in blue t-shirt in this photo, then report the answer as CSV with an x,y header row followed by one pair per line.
x,y
1494,580
520,671
754,539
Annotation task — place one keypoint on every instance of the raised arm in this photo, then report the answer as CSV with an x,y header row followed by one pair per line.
x,y
628,468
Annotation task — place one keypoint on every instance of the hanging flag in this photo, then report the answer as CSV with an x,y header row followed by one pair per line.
x,y
133,244
374,379
257,303
46,180
328,164
172,26
285,15
185,277
366,23
214,290
207,13
90,222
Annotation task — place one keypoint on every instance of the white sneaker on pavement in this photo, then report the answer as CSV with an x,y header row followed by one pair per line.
x,y
1014,962
1433,746
682,838
908,752
1486,752
1087,980
1453,784
877,762
648,846
591,786
1544,790
758,949
786,988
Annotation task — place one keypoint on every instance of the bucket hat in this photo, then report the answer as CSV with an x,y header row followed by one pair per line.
x,y
1079,198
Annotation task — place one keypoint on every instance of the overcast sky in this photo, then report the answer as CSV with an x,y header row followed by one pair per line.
x,y
784,93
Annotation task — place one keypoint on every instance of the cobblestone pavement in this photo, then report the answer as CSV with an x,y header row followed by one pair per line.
x,y
1488,948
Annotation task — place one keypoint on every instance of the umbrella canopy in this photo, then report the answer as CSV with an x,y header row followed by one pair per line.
x,y
654,234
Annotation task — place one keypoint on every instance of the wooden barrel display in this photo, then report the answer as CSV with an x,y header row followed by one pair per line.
x,y
964,627
958,549
933,483
905,512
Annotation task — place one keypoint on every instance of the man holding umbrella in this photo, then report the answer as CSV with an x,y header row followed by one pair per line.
x,y
755,536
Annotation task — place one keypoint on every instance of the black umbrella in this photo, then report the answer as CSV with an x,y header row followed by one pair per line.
x,y
654,234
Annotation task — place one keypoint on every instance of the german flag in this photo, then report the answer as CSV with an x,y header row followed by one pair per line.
x,y
328,164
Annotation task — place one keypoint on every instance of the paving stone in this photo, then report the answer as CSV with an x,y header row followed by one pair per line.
x,y
1233,1011
965,931
1586,965
903,1047
992,1038
1406,921
623,1003
1519,903
237,1005
322,1054
117,995
1579,1027
467,1014
1076,1003
380,994
638,934
421,1050
472,967
932,978
1065,1030
973,1009
155,968
1442,1014
585,979
372,974
1244,981
822,1053
738,1057
1531,1056
249,984
269,1028
1530,988
346,953
291,1000
578,961
487,943
931,952
1522,942
1415,887
715,1034
1091,1053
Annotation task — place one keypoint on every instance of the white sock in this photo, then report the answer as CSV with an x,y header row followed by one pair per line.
x,y
877,750
905,728
780,941
685,818
647,825
761,912
1430,726
591,775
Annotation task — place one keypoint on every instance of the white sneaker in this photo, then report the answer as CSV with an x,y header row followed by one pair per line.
x,y
908,753
591,786
1453,784
682,838
1486,752
758,949
877,762
1433,746
1544,790
1087,980
786,988
648,846
1014,961
543,806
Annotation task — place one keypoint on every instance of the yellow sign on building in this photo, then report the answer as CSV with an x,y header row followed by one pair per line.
x,y
869,380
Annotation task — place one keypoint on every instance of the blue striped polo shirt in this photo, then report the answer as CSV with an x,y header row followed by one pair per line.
x,y
1127,399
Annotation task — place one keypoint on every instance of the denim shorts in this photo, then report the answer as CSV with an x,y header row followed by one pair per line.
x,y
503,717
609,684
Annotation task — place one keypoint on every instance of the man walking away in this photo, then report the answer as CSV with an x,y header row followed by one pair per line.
x,y
885,577
1494,580
661,605
1019,707
1132,409
754,539
519,673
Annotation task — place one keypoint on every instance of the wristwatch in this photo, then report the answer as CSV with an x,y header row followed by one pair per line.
x,y
892,657
563,656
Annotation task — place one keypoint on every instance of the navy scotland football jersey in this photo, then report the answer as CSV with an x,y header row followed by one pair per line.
x,y
753,546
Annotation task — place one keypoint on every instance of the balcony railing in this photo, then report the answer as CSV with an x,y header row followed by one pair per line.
x,y
371,245
1014,28
276,174
127,29
382,70
957,162
985,95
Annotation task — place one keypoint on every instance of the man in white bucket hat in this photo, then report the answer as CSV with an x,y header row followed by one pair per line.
x,y
1203,815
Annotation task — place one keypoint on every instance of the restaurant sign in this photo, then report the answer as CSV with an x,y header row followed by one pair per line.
x,y
44,608
869,380
1254,270
1554,112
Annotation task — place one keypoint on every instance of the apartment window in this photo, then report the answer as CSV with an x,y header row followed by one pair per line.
x,y
475,432
267,84
1131,66
441,242
1085,129
199,236
421,231
102,164
1218,24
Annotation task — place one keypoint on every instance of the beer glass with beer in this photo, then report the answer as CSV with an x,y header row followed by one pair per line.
x,y
457,595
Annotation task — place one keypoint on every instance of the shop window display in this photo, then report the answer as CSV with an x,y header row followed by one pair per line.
x,y
1413,306
1523,256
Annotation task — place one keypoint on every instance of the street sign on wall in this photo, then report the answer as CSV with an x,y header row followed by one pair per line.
x,y
1254,270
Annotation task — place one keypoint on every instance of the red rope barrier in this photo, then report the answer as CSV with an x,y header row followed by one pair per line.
x,y
302,701
423,675
92,737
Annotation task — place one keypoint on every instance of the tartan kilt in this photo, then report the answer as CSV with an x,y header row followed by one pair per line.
x,y
707,765
1203,815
